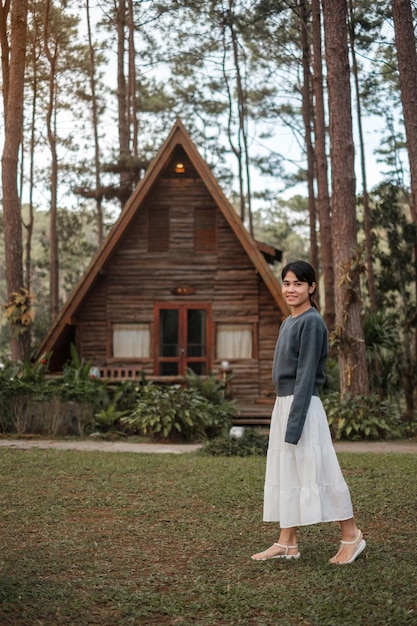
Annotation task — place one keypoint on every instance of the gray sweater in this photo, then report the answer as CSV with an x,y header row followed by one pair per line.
x,y
298,368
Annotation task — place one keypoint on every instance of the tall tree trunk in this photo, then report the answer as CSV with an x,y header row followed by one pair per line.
x,y
51,54
352,361
30,220
323,200
241,103
236,149
94,110
13,132
407,65
308,127
5,53
124,136
133,102
35,47
365,195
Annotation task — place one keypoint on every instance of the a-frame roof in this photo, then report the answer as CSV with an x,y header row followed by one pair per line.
x,y
177,136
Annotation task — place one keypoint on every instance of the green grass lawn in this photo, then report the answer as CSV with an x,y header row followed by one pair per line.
x,y
108,539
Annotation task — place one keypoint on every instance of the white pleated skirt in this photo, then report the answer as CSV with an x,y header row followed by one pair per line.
x,y
303,482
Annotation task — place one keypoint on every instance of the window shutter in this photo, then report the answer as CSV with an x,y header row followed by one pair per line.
x,y
205,239
158,229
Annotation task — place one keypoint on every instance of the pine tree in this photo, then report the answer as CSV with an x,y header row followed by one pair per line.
x,y
347,259
13,73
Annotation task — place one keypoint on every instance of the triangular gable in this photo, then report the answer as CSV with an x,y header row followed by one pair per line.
x,y
177,136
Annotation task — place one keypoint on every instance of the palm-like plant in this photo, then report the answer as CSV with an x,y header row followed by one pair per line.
x,y
382,343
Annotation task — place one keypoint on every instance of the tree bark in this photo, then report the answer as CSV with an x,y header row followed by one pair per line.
x,y
348,265
133,103
123,109
51,53
5,53
407,64
241,105
94,110
323,200
308,131
13,132
365,194
236,148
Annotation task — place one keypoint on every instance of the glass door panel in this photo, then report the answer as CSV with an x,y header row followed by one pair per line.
x,y
168,342
182,335
168,332
197,340
196,335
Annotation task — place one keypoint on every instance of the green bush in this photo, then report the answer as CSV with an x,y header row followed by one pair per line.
x,y
32,402
254,442
211,387
118,403
175,412
79,401
331,383
362,417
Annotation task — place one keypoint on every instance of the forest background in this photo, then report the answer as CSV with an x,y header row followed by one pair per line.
x,y
304,110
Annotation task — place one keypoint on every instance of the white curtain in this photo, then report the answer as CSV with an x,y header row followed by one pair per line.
x,y
131,340
234,341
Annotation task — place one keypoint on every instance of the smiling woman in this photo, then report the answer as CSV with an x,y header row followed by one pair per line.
x,y
297,293
303,484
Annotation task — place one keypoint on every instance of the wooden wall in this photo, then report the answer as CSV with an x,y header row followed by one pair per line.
x,y
134,279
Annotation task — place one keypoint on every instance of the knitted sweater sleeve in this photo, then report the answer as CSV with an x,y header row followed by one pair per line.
x,y
311,336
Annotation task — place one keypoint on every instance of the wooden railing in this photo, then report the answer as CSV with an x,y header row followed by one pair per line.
x,y
116,374
120,374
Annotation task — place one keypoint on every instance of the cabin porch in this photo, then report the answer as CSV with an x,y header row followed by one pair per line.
x,y
257,413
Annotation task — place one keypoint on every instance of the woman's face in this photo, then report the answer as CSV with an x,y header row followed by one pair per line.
x,y
297,293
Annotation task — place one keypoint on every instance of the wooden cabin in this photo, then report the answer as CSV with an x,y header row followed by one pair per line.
x,y
178,283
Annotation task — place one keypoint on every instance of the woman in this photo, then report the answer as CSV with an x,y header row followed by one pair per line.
x,y
303,484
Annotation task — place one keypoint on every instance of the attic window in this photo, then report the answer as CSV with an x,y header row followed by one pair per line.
x,y
158,229
205,239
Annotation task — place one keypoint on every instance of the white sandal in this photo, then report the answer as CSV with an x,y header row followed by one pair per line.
x,y
360,547
278,556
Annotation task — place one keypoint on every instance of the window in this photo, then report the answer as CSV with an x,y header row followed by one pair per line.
x,y
234,341
131,341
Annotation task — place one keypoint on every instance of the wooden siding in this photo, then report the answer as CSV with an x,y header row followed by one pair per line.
x,y
134,278
145,262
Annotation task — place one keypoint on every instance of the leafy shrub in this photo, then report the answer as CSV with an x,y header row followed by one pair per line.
x,y
127,392
211,387
79,384
254,442
21,384
383,356
175,412
362,417
30,402
331,383
115,407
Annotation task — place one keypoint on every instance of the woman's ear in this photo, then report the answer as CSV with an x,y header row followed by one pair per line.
x,y
312,288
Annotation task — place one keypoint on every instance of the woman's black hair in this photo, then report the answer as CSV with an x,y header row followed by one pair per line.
x,y
304,272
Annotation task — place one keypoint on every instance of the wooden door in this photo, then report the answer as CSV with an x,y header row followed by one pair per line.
x,y
182,339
